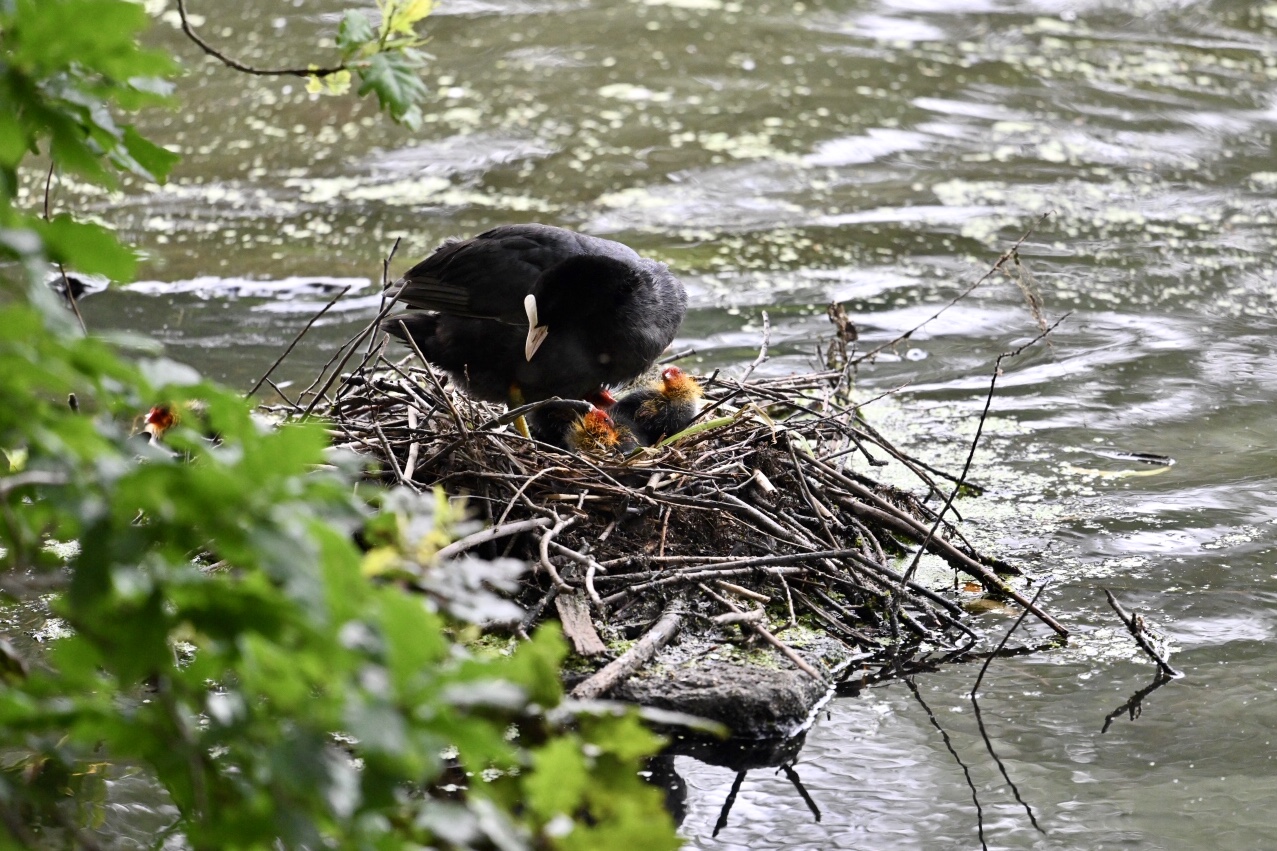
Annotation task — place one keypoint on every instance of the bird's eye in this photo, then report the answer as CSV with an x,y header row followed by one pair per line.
x,y
604,357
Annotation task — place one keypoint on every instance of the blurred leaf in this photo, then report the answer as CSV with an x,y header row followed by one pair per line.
x,y
337,83
88,247
355,31
560,778
152,160
393,78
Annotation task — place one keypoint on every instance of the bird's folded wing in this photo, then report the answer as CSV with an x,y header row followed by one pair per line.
x,y
483,279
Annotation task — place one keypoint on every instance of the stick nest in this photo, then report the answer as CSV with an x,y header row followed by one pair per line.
x,y
775,507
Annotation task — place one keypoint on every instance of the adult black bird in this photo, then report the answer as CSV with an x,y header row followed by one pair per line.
x,y
662,409
526,312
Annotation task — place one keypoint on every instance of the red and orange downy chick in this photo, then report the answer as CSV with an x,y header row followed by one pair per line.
x,y
160,419
597,434
662,409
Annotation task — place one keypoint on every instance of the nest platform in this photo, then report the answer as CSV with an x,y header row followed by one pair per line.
x,y
735,572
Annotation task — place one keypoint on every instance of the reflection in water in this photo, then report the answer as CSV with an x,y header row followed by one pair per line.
x,y
878,153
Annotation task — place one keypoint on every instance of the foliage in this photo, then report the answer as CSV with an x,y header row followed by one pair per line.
x,y
228,638
386,57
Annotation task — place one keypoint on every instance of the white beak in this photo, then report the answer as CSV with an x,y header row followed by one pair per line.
x,y
536,333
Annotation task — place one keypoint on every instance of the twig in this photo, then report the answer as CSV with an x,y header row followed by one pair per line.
x,y
297,339
762,350
763,633
471,541
618,670
1135,626
249,69
997,266
545,553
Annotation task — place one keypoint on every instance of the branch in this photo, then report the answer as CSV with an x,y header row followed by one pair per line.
x,y
1135,625
249,69
631,660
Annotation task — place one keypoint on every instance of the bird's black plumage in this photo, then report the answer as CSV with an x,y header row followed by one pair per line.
x,y
608,312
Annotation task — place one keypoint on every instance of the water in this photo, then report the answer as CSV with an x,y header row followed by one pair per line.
x,y
881,153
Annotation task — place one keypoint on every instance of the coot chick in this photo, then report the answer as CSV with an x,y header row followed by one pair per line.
x,y
74,287
660,410
527,312
553,422
599,435
581,428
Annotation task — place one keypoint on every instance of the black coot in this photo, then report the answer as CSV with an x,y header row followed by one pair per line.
x,y
661,410
526,312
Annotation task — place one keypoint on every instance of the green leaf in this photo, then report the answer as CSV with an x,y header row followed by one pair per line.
x,y
153,161
87,247
393,78
560,780
356,30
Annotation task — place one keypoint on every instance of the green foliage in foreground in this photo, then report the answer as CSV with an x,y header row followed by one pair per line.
x,y
227,640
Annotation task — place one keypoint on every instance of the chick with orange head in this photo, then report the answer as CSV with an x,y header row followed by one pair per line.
x,y
662,409
581,428
600,435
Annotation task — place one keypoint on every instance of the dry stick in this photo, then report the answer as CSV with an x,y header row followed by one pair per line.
x,y
491,534
296,340
742,592
434,379
351,345
390,455
980,718
739,617
762,350
789,599
523,487
385,284
631,660
410,463
686,578
66,281
763,633
818,509
966,467
737,565
558,527
281,394
835,627
1135,626
591,568
249,69
1006,255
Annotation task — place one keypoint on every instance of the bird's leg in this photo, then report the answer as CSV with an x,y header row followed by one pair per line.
x,y
515,395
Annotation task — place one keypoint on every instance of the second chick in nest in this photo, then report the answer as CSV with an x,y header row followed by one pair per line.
x,y
662,409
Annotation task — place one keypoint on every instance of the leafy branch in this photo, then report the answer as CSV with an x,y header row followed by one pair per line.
x,y
386,57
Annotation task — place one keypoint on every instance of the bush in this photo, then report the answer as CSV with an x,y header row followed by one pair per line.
x,y
227,637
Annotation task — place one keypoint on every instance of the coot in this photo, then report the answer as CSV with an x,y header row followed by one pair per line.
x,y
581,428
527,312
654,413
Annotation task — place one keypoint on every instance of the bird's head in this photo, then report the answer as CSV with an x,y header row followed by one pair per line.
x,y
581,295
159,419
598,434
678,385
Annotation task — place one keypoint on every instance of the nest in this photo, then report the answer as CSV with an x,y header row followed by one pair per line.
x,y
767,508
